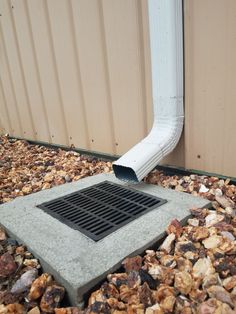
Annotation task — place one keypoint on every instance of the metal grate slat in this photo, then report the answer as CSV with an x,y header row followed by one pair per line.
x,y
101,209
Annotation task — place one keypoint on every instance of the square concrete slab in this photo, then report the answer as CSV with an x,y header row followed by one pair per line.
x,y
75,260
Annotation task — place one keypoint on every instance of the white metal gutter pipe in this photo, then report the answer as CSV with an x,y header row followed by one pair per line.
x,y
166,40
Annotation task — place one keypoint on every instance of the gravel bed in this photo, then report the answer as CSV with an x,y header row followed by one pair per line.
x,y
26,168
193,271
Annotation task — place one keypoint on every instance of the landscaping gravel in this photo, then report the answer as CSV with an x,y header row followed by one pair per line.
x,y
193,271
26,168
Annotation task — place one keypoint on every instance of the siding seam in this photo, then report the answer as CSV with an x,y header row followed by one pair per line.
x,y
79,76
56,71
5,106
37,69
107,75
11,83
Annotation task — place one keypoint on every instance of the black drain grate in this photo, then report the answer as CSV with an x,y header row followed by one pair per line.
x,y
101,209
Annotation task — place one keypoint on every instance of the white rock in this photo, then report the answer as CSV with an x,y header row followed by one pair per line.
x,y
203,267
218,192
212,242
203,189
193,222
212,219
167,244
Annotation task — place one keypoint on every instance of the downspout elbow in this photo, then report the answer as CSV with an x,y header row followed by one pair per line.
x,y
166,41
144,156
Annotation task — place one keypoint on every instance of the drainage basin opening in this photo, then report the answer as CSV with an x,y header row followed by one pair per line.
x,y
100,209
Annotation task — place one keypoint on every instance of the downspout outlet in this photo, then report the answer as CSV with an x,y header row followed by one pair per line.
x,y
166,43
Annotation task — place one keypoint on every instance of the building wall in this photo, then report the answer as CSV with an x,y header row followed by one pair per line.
x,y
210,85
78,72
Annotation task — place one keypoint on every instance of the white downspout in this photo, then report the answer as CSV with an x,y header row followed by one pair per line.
x,y
166,38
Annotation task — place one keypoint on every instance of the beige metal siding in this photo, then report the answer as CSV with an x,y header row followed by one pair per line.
x,y
210,104
76,72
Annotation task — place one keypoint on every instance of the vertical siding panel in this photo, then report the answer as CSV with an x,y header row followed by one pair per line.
x,y
210,85
107,77
74,22
22,33
5,122
18,79
9,92
124,70
40,37
65,57
147,63
141,65
93,74
229,126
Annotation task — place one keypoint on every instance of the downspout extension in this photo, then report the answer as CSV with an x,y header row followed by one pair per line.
x,y
166,41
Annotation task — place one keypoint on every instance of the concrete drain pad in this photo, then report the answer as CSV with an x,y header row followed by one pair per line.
x,y
75,260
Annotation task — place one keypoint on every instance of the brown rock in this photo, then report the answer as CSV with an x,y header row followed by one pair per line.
x,y
162,292
51,298
132,263
66,310
210,280
38,286
227,246
183,305
33,262
168,261
224,201
3,309
2,234
220,294
223,226
7,297
208,307
156,271
134,279
183,282
197,295
96,296
118,279
116,304
229,283
175,227
97,307
129,295
109,290
135,309
15,308
20,250
145,295
200,233
183,247
155,309
7,265
34,310
225,309
223,266
184,264
168,304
